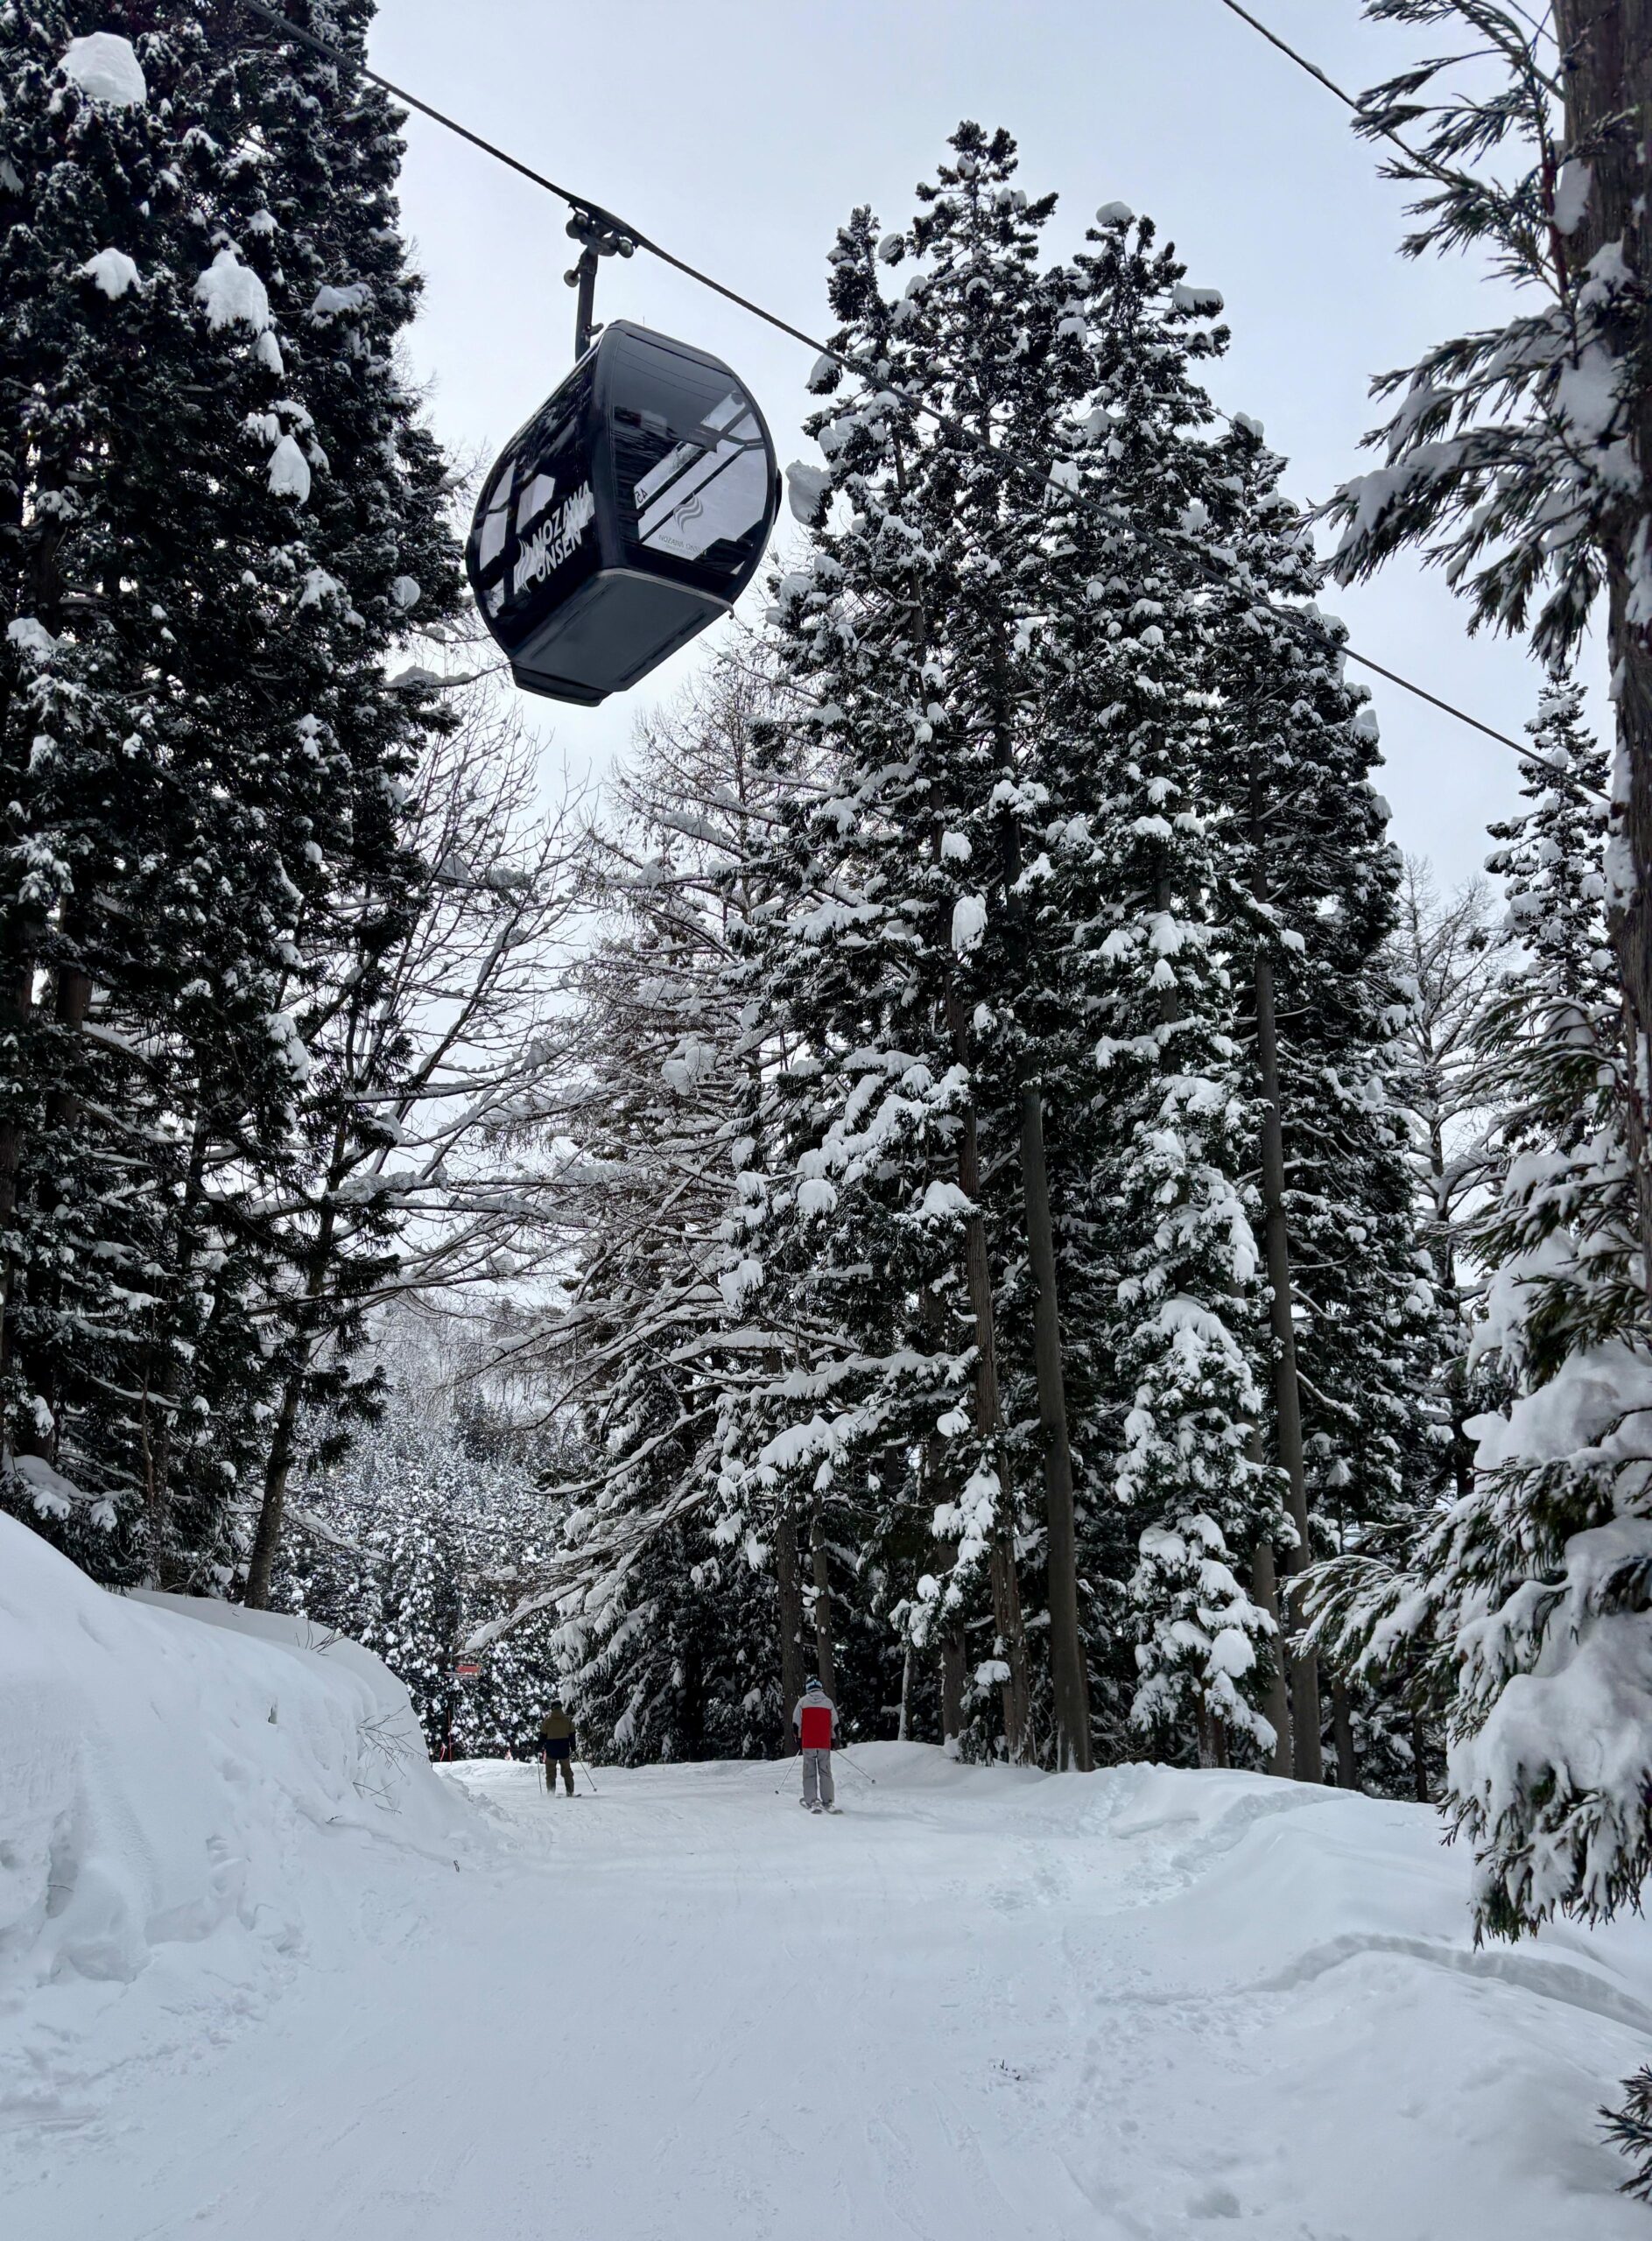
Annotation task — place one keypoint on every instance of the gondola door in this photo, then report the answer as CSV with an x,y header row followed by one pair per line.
x,y
536,545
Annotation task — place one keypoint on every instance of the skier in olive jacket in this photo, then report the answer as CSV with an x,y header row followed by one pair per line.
x,y
556,1740
816,1720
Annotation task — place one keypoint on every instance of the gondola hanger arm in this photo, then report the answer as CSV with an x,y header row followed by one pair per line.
x,y
600,236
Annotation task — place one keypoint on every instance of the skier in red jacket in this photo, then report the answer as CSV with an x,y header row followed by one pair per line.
x,y
815,1720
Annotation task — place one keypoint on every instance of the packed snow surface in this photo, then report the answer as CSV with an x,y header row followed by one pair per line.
x,y
978,2004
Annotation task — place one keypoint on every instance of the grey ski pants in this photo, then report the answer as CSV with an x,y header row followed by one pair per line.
x,y
817,1778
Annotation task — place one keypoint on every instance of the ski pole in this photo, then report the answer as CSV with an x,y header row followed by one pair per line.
x,y
786,1780
586,1771
858,1769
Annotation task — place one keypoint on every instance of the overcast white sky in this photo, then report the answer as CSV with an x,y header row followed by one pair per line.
x,y
739,133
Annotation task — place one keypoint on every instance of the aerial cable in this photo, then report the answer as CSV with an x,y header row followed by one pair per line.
x,y
1427,164
1350,101
1291,54
598,228
334,54
581,204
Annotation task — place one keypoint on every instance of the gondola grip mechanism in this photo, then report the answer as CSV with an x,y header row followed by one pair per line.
x,y
600,237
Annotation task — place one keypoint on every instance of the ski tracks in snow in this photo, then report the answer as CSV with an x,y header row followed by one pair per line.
x,y
1121,2008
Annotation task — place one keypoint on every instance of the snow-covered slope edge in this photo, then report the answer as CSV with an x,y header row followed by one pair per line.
x,y
159,1776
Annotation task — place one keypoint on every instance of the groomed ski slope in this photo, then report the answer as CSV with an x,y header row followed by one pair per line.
x,y
978,2004
263,1973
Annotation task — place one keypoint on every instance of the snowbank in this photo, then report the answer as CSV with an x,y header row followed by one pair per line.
x,y
162,1760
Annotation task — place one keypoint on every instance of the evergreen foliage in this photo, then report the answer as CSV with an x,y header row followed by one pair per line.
x,y
416,1535
220,513
1517,458
1505,453
1629,2129
1559,1231
891,968
1026,669
894,1171
1517,1614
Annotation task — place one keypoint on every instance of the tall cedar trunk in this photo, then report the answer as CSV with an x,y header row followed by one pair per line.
x,y
1207,1728
1069,1678
307,1334
952,1689
1264,1588
989,1416
953,1652
691,1697
1443,1258
1006,1588
1070,1683
41,596
823,1664
1342,1728
789,1591
1307,1760
1012,1635
937,1491
1607,72
17,1010
266,1541
160,1401
70,1009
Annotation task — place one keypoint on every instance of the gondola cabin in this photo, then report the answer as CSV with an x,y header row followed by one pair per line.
x,y
631,511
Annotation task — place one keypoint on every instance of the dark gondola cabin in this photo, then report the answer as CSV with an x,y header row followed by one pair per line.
x,y
631,511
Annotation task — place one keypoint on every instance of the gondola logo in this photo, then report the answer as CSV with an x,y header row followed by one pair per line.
x,y
559,535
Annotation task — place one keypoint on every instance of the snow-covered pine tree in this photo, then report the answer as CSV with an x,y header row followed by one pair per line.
x,y
1358,1340
856,974
907,632
1519,458
1135,858
1005,352
1548,1046
220,513
1523,1612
